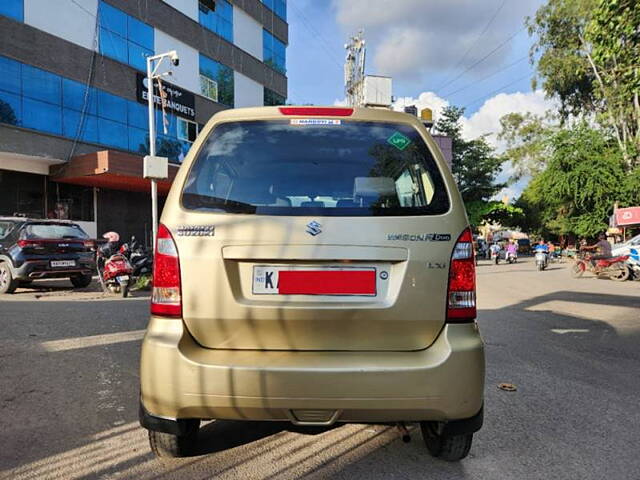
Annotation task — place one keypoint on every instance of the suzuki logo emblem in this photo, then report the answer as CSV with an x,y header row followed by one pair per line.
x,y
314,228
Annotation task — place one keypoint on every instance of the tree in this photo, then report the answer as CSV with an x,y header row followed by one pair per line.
x,y
526,135
585,175
612,42
475,166
588,58
494,212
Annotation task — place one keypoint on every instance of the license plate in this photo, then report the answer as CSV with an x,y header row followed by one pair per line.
x,y
62,263
123,278
272,280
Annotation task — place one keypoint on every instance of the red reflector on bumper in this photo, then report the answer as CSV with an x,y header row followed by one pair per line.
x,y
327,282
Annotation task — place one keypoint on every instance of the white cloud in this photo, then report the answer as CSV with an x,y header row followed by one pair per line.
x,y
424,100
486,121
412,38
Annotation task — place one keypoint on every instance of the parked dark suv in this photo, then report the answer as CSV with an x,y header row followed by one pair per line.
x,y
33,249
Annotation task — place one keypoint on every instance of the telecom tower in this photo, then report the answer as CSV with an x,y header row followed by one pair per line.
x,y
354,70
363,90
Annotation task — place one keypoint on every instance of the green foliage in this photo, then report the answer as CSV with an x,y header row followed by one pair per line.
x,y
561,63
526,138
480,211
475,166
613,37
585,174
588,58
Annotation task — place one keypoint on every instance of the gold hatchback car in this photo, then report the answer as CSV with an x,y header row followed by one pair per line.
x,y
313,265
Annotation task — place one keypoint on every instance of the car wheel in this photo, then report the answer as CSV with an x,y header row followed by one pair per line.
x,y
172,446
81,281
447,447
8,284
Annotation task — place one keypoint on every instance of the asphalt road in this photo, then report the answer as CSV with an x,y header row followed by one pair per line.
x,y
68,394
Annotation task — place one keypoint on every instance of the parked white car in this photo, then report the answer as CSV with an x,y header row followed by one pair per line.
x,y
624,248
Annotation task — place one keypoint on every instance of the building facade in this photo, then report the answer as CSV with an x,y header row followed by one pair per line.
x,y
73,113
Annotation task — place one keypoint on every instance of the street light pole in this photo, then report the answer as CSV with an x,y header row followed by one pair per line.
x,y
151,76
152,150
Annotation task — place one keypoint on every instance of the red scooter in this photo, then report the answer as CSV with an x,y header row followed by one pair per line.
x,y
114,269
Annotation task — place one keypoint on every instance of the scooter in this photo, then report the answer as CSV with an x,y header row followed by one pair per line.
x,y
114,270
141,261
542,260
510,257
495,256
615,268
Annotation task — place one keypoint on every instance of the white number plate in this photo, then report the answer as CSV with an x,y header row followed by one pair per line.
x,y
63,263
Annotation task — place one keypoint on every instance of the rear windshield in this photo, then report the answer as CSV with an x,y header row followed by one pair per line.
x,y
52,231
315,167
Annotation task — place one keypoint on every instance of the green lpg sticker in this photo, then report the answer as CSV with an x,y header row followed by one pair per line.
x,y
399,141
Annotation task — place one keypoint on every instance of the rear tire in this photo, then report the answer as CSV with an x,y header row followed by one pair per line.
x,y
124,290
81,281
8,284
621,275
451,448
167,445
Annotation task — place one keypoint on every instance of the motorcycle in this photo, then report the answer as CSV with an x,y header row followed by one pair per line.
x,y
141,261
542,260
495,256
511,257
114,270
615,268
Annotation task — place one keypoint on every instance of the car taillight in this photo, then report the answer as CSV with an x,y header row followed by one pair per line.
x,y
30,244
317,111
461,293
166,300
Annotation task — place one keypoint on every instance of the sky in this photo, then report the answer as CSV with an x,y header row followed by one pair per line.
x,y
469,53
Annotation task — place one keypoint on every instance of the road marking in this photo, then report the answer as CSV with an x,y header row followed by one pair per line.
x,y
92,341
562,331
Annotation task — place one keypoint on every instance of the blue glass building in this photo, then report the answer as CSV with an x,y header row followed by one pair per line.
x,y
71,105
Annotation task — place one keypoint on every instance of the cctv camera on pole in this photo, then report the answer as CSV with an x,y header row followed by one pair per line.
x,y
155,168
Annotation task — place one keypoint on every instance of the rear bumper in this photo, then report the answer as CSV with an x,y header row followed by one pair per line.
x,y
39,269
182,380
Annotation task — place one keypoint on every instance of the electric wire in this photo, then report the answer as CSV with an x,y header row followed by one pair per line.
x,y
498,47
473,44
487,77
497,90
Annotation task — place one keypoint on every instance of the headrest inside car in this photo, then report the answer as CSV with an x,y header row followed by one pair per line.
x,y
374,187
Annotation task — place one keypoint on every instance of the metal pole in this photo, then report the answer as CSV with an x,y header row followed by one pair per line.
x,y
152,151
